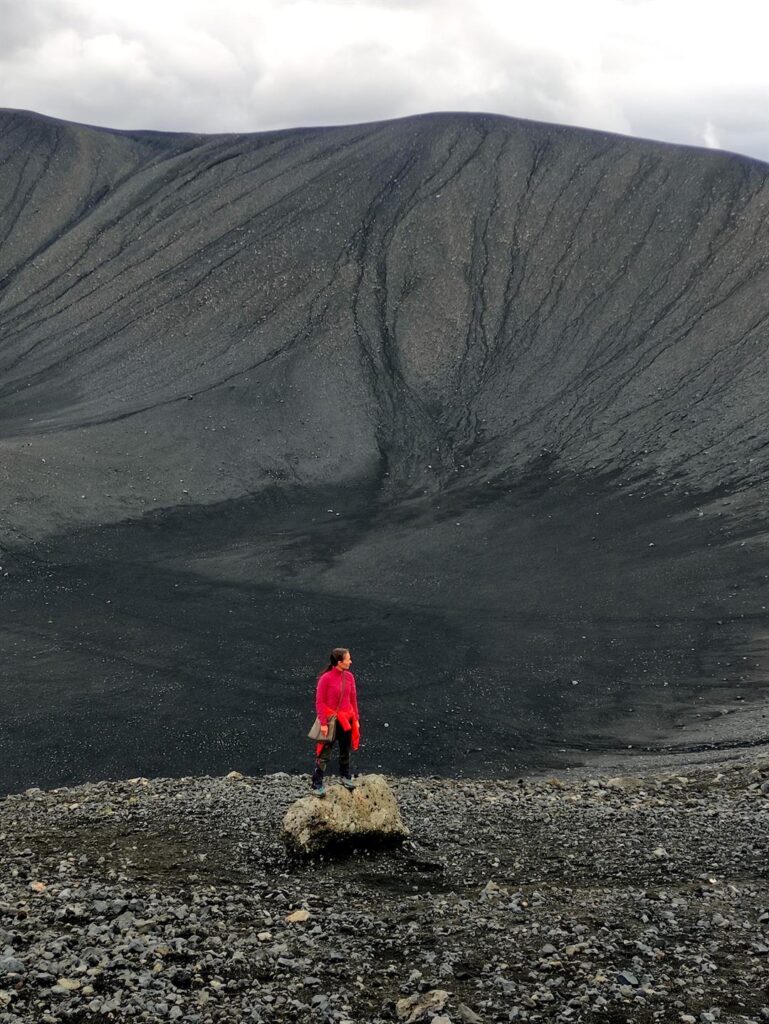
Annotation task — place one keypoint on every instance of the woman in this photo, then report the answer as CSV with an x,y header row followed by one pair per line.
x,y
337,698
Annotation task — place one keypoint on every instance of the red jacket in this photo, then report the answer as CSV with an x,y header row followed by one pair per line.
x,y
336,687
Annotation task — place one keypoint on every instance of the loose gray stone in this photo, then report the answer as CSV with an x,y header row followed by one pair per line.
x,y
10,965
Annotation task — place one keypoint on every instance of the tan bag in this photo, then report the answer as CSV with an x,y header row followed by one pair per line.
x,y
317,735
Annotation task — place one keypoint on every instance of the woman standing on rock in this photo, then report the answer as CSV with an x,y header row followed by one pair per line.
x,y
336,704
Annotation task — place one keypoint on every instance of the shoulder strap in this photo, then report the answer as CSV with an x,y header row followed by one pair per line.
x,y
339,702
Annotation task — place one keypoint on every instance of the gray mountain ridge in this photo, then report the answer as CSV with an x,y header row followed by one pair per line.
x,y
483,399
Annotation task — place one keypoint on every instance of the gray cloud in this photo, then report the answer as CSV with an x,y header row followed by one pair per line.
x,y
737,122
24,26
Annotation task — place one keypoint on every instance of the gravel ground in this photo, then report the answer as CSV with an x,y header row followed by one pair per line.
x,y
635,898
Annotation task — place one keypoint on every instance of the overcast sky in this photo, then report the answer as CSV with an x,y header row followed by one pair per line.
x,y
691,71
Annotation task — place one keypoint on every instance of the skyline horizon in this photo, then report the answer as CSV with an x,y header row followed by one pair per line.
x,y
643,69
139,129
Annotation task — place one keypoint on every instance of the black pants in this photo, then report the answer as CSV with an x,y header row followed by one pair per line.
x,y
344,739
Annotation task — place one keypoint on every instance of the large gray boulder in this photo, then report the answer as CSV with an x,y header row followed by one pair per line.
x,y
368,813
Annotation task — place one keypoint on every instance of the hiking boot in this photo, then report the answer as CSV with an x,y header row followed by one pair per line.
x,y
319,790
348,784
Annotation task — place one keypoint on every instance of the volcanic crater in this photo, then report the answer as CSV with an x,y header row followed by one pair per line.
x,y
480,398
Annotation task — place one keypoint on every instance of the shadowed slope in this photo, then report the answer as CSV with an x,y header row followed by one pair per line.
x,y
480,285
473,324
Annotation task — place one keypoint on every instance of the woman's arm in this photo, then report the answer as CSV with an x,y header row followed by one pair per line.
x,y
354,696
321,701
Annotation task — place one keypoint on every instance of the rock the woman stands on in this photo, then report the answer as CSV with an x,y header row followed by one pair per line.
x,y
336,700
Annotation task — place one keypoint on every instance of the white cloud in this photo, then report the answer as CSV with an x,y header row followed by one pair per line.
x,y
661,68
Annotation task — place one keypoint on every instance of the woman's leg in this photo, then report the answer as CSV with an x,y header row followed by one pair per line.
x,y
345,743
321,764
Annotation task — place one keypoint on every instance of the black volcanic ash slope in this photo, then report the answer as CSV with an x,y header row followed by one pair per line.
x,y
523,365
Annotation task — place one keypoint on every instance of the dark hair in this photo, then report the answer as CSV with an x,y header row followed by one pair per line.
x,y
336,656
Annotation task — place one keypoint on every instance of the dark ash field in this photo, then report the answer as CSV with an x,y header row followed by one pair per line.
x,y
482,399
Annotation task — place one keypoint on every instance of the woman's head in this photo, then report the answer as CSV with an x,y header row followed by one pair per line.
x,y
340,658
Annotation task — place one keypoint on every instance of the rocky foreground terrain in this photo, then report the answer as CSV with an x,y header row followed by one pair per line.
x,y
642,898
